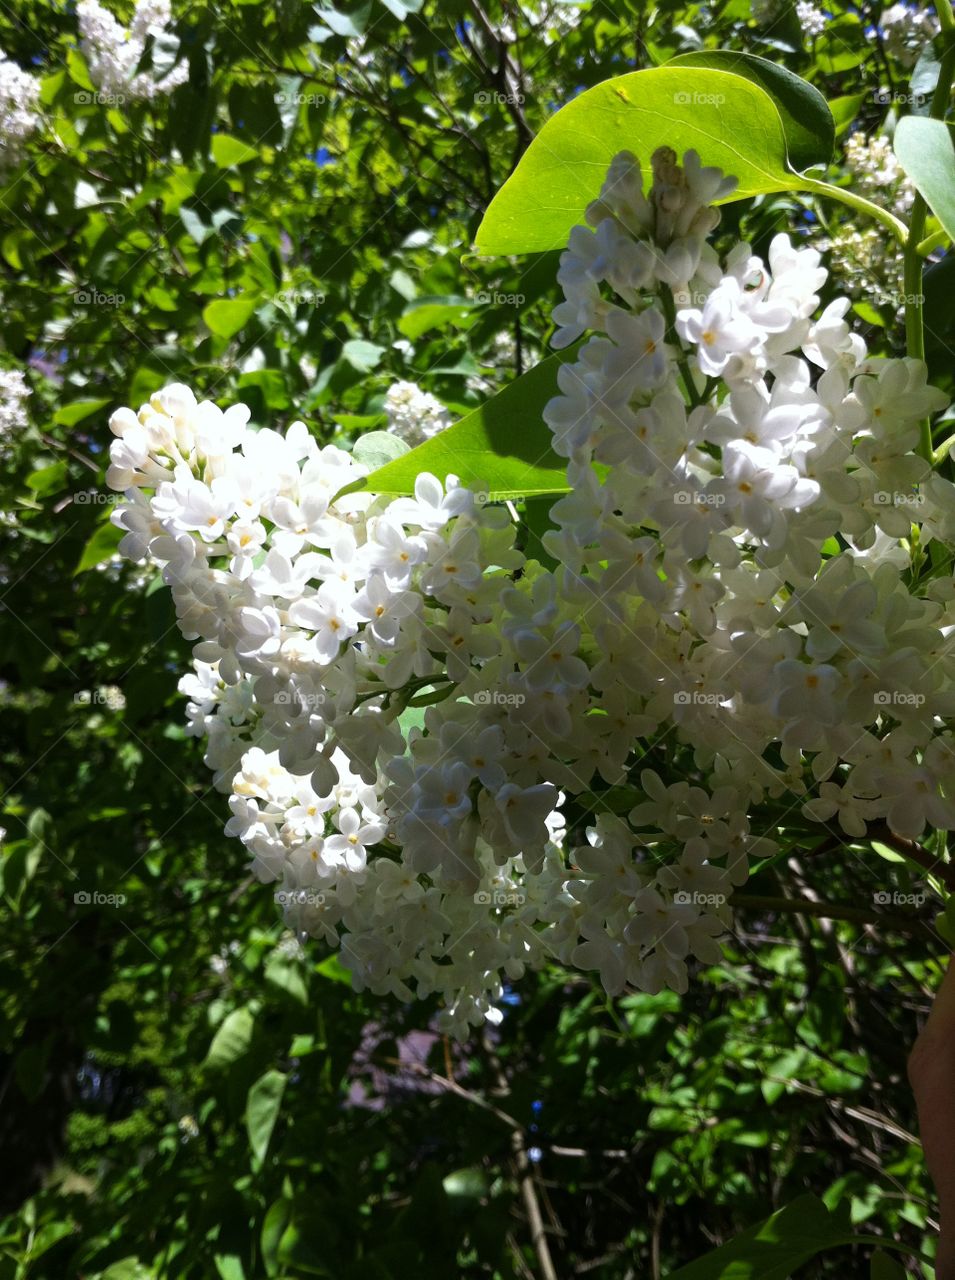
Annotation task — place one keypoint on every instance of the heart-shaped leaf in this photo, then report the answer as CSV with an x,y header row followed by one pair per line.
x,y
807,120
731,121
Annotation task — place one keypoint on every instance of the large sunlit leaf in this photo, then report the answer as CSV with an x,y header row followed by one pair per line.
x,y
730,121
502,449
806,118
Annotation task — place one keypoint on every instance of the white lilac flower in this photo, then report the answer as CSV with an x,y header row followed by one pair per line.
x,y
414,415
19,110
693,599
906,29
765,12
113,52
811,19
14,393
868,262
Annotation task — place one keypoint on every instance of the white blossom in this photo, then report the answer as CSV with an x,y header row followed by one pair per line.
x,y
414,415
19,110
113,52
696,601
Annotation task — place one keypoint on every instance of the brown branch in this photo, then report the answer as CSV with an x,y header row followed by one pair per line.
x,y
915,852
832,911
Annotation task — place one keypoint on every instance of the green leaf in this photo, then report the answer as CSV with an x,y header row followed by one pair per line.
x,y
773,1249
945,922
401,8
333,969
375,448
842,46
925,151
361,355
537,521
885,852
229,1266
194,225
228,151
285,973
128,1269
76,65
226,316
70,414
884,1267
730,121
352,23
867,312
103,544
276,1220
85,195
466,1184
232,1039
48,479
433,313
938,285
805,115
262,1109
502,449
844,110
49,1235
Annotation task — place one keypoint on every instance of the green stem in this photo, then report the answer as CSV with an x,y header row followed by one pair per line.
x,y
931,242
914,323
860,203
669,311
944,449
